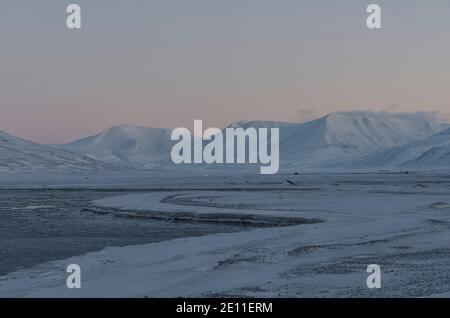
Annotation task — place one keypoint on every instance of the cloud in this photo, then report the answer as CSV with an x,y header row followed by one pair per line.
x,y
306,114
394,107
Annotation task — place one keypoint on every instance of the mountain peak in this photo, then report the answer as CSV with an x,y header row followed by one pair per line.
x,y
348,135
258,124
126,128
125,145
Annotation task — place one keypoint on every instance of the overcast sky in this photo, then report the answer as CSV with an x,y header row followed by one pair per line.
x,y
165,63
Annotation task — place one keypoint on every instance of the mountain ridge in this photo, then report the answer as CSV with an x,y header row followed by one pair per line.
x,y
345,140
334,137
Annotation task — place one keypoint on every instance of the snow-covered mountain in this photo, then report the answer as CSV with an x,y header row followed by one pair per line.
x,y
334,138
352,140
430,153
19,155
126,146
348,135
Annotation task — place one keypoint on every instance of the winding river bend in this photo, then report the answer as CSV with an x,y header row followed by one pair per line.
x,y
37,226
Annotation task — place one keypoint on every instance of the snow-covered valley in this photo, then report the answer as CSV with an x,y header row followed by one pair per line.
x,y
340,224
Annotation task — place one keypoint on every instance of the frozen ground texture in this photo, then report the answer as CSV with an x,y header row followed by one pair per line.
x,y
400,222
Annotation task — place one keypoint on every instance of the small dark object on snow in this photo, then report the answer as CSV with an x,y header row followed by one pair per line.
x,y
290,182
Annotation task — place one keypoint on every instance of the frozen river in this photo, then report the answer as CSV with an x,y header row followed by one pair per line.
x,y
316,237
43,225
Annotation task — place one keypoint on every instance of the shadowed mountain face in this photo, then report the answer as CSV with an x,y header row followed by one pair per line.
x,y
430,153
18,155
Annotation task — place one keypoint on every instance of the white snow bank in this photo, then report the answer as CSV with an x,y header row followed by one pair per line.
x,y
326,259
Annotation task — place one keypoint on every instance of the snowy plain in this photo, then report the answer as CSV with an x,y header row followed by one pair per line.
x,y
318,235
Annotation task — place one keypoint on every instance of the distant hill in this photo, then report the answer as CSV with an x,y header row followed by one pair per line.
x,y
126,146
19,155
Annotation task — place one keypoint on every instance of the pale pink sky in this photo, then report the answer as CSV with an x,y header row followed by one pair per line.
x,y
166,63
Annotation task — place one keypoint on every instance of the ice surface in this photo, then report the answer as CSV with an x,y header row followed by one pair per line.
x,y
400,222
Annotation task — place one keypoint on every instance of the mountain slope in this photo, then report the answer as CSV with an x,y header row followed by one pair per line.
x,y
126,146
19,155
337,137
348,135
430,153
